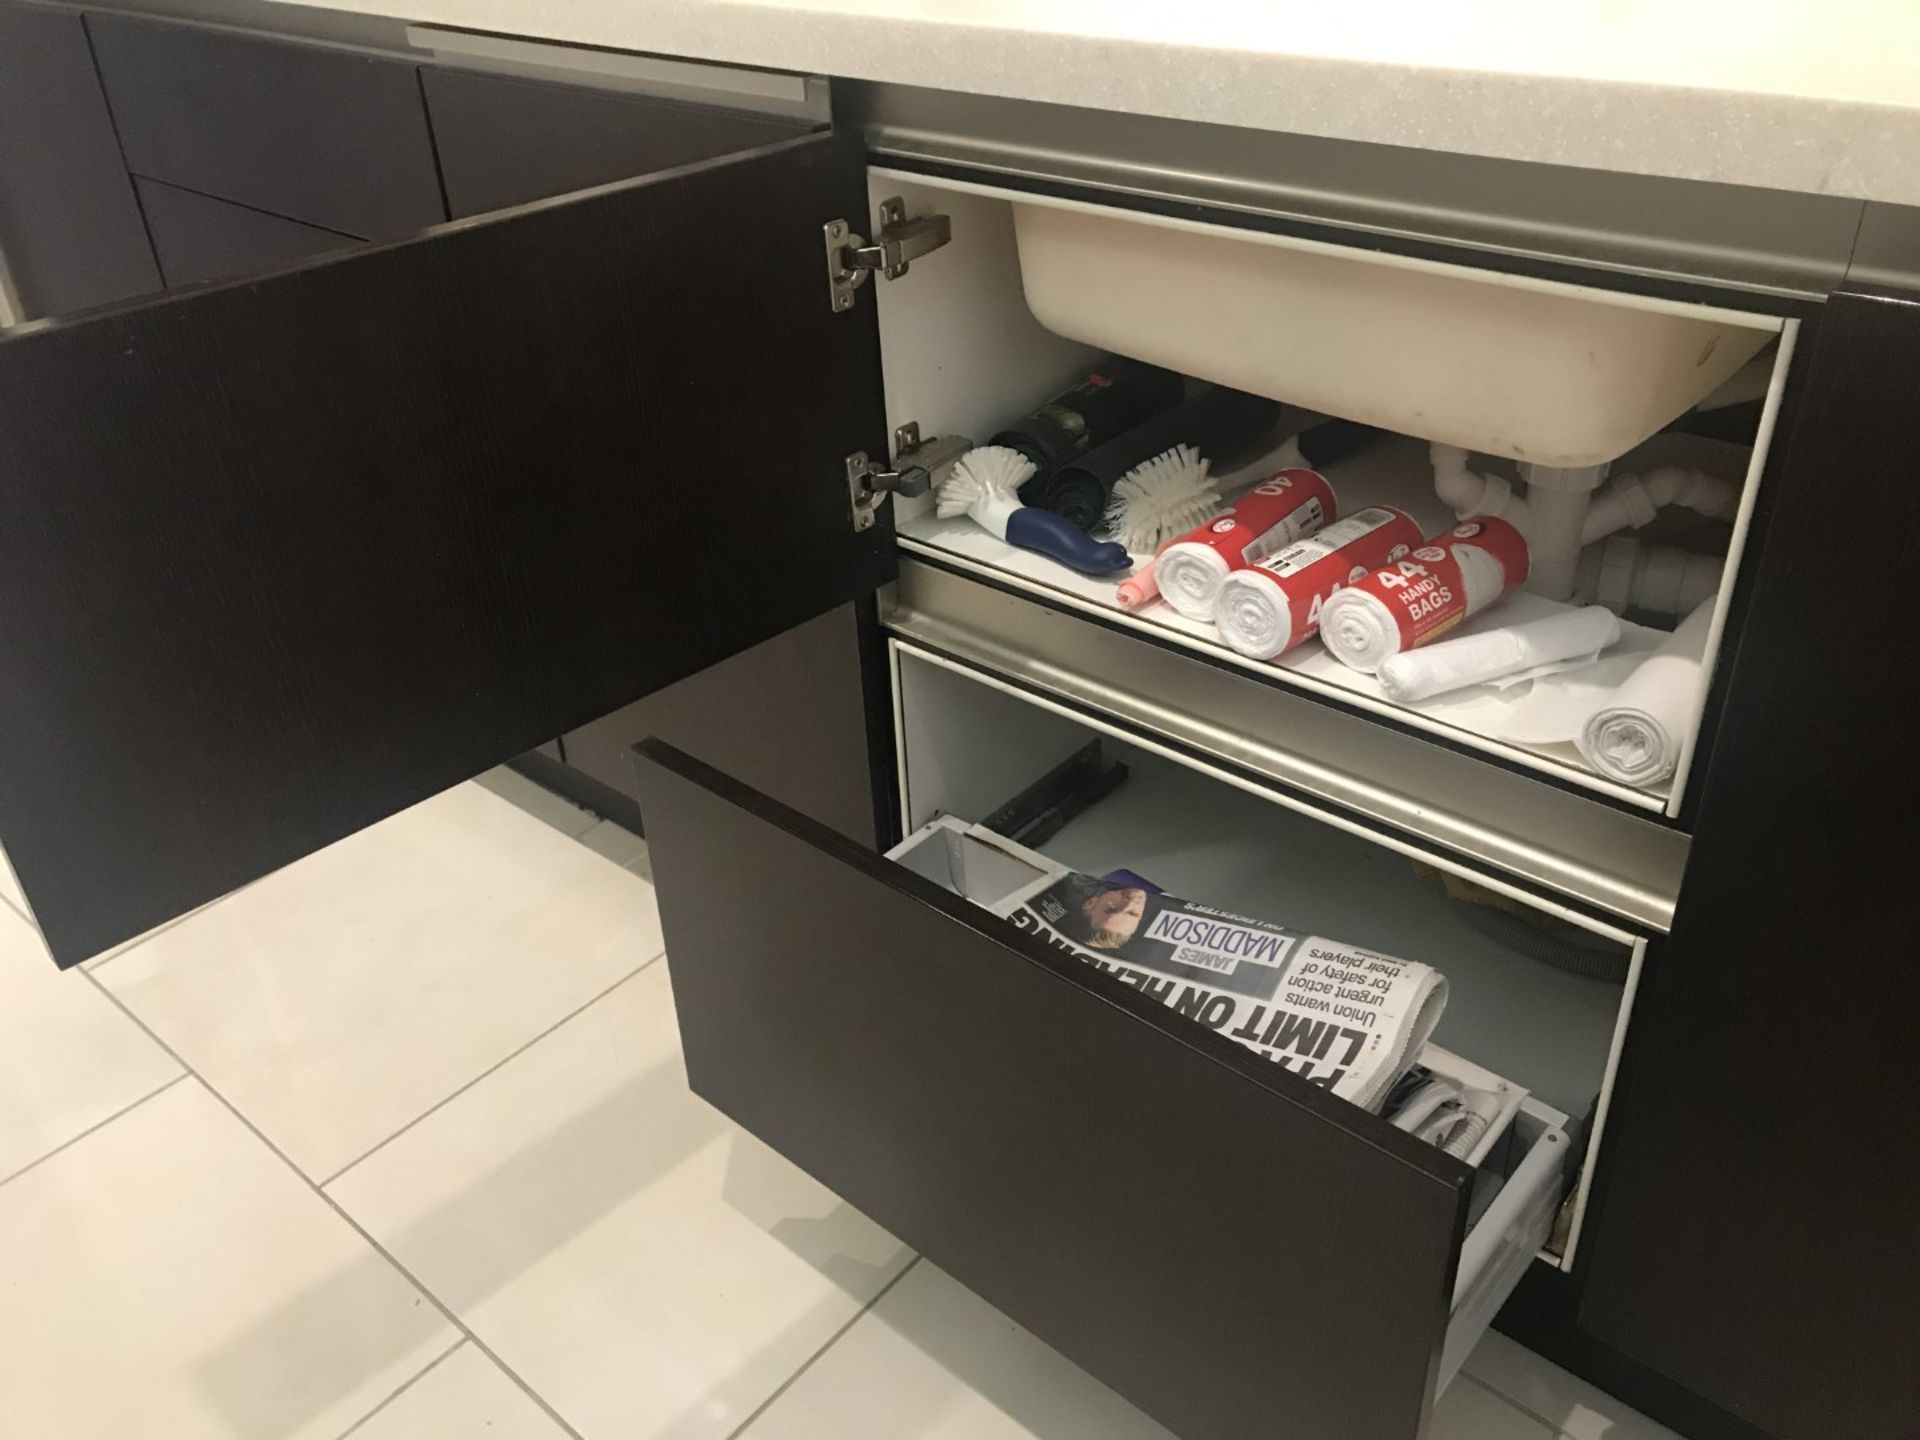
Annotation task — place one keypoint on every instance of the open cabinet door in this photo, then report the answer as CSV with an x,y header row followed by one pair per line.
x,y
282,557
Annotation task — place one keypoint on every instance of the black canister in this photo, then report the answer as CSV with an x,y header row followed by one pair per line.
x,y
1332,441
1114,397
1221,424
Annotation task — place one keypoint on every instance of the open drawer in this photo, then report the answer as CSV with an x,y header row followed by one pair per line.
x,y
1519,1163
1224,1243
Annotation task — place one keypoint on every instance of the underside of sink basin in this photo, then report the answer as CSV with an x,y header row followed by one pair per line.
x,y
1505,365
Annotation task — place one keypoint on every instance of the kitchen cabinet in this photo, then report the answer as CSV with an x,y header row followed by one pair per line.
x,y
70,229
427,506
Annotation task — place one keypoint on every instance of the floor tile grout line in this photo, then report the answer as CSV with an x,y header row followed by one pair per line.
x,y
97,1125
446,1313
445,1310
1517,1403
832,1340
405,1385
515,1054
1499,1394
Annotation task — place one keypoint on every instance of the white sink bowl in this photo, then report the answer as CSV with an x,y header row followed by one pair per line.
x,y
1502,364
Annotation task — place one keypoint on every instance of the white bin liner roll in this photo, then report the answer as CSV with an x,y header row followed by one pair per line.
x,y
1269,607
1417,600
1495,654
1636,735
1279,510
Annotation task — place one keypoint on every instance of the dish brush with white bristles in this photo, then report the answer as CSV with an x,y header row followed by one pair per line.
x,y
984,485
1162,499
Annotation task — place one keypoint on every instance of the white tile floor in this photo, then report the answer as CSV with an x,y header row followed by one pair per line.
x,y
396,1144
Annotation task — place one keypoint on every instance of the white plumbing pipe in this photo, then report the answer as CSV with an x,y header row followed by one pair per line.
x,y
1551,515
1563,512
1470,495
1557,501
1635,499
1623,573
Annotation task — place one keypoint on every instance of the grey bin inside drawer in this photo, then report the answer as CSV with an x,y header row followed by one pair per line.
x,y
1519,1185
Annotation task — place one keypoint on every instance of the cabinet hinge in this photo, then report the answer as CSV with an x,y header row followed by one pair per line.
x,y
915,463
897,243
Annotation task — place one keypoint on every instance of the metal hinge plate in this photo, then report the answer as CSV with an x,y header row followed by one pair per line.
x,y
915,463
897,243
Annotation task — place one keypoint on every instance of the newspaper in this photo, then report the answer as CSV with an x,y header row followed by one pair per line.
x,y
1348,1019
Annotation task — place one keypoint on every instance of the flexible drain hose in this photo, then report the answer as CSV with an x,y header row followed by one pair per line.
x,y
1444,1115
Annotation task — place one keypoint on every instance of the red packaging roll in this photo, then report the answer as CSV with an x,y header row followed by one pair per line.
x,y
1270,607
1417,600
1285,507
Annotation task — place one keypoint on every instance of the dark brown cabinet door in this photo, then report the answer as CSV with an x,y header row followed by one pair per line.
x,y
1229,1247
285,556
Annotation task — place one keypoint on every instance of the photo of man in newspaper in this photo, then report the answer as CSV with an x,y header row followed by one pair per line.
x,y
1350,1019
1175,938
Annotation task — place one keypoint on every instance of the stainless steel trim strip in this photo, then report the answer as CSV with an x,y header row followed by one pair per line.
x,y
1614,861
1771,241
772,92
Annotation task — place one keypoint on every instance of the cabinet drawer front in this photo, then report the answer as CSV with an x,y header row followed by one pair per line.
x,y
1227,1246
503,140
198,239
287,555
330,137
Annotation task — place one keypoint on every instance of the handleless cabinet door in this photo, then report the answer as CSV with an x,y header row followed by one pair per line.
x,y
285,556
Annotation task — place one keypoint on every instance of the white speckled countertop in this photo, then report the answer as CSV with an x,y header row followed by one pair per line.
x,y
1818,97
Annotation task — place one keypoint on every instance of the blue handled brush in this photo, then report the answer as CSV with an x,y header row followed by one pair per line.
x,y
984,483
